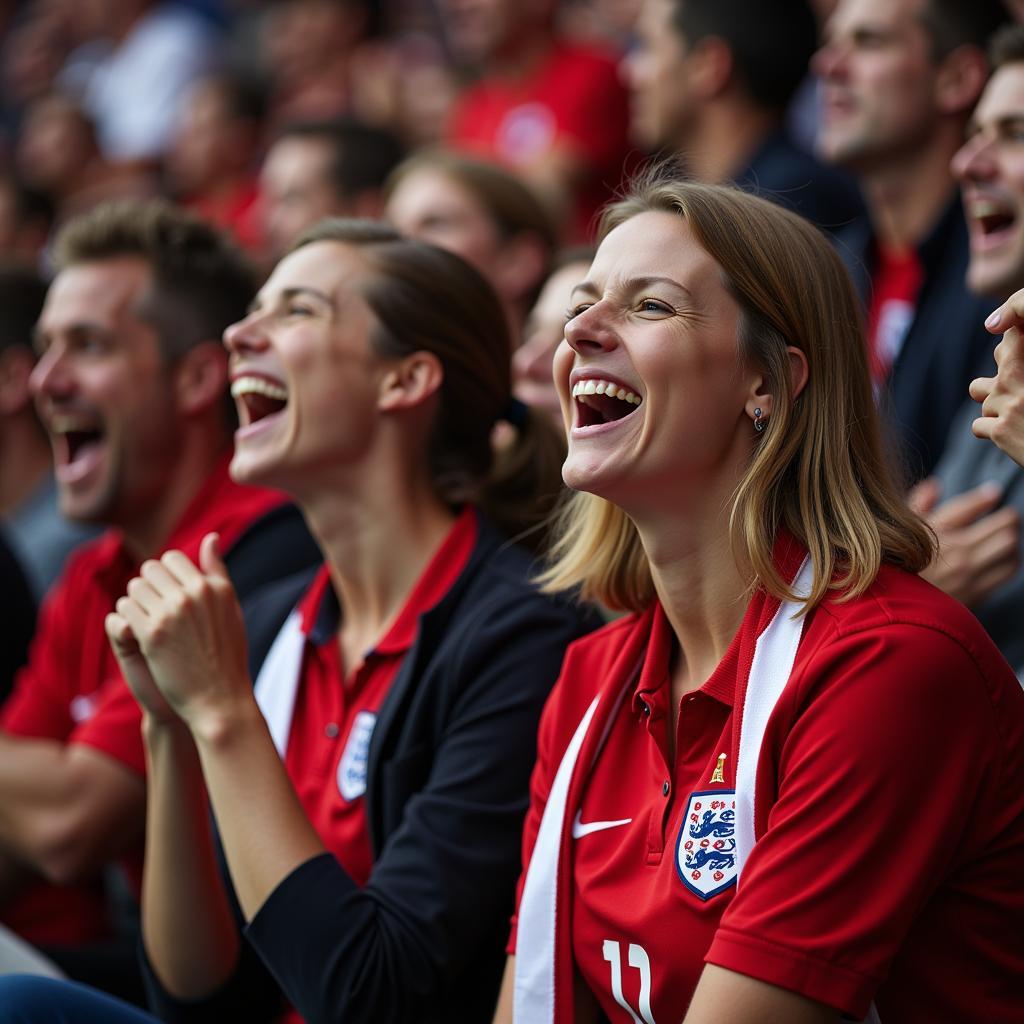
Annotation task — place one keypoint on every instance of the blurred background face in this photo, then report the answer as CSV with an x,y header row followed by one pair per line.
x,y
430,206
479,30
544,330
296,189
655,72
55,143
210,142
990,168
104,393
878,75
301,37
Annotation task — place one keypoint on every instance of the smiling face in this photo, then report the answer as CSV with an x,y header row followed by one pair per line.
x,y
104,392
878,82
304,376
652,387
990,168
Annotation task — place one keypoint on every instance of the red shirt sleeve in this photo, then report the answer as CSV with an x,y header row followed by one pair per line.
x,y
116,727
888,752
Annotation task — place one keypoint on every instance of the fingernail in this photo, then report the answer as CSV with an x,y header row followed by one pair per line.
x,y
993,319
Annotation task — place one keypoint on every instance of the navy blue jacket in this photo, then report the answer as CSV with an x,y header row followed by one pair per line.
x,y
945,346
447,790
782,172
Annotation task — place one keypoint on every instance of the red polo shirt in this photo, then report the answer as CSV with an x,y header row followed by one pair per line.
x,y
336,710
71,689
889,816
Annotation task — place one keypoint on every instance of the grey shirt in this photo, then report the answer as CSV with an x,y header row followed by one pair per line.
x,y
968,462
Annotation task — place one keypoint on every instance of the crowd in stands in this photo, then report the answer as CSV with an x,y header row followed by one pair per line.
x,y
319,320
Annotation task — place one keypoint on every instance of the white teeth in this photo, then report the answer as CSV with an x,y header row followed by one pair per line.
x,y
604,387
259,386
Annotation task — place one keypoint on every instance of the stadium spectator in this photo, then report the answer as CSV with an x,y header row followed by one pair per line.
x,y
26,217
543,332
132,73
320,169
211,165
375,867
554,112
131,387
38,535
719,818
709,85
479,212
899,81
979,523
58,156
308,49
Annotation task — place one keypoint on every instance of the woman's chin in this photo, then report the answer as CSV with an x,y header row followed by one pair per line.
x,y
245,469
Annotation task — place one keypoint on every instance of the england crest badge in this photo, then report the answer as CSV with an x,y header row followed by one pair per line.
x,y
352,766
706,849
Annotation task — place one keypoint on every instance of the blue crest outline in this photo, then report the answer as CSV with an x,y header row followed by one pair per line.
x,y
718,794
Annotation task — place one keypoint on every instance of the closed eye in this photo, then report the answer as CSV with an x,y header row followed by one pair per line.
x,y
574,311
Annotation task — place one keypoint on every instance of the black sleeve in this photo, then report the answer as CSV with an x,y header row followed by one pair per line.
x,y
438,901
276,545
18,614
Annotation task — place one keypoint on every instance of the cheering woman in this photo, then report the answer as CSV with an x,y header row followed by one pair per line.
x,y
790,784
369,791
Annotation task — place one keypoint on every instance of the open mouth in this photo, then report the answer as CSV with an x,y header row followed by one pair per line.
x,y
602,401
257,398
992,217
77,443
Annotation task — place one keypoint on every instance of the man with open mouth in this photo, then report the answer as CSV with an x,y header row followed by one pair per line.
x,y
990,168
899,79
131,386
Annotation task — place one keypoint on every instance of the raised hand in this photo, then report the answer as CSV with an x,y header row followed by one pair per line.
x,y
1002,396
187,625
135,670
979,543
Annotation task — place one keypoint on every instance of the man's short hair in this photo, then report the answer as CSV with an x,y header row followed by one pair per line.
x,y
1007,46
201,282
362,156
22,292
953,23
772,41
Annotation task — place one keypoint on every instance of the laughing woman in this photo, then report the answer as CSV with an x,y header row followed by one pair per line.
x,y
790,785
369,793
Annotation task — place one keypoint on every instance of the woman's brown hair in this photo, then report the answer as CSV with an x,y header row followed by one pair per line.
x,y
819,469
427,300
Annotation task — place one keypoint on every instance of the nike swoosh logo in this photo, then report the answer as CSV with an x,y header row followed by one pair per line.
x,y
581,828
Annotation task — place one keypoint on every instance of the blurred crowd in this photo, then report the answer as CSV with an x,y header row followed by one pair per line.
x,y
495,129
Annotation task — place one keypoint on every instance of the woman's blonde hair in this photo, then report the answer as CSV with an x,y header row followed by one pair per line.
x,y
819,469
